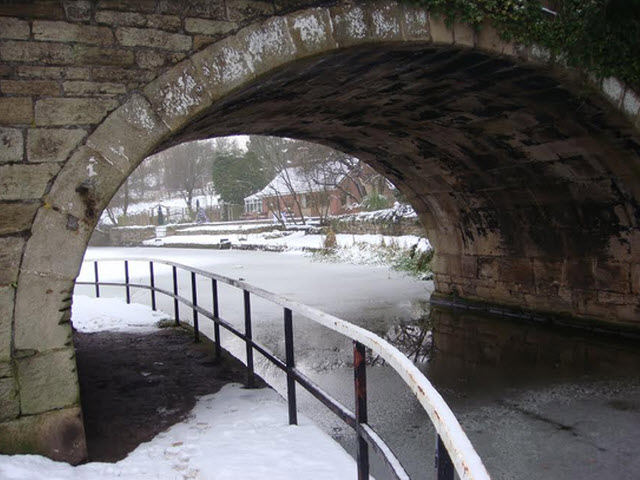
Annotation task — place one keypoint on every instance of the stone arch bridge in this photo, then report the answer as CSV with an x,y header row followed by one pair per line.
x,y
525,174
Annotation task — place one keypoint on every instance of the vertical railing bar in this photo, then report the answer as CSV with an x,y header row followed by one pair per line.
x,y
291,382
444,465
176,305
152,283
248,334
97,278
194,299
360,384
216,315
126,280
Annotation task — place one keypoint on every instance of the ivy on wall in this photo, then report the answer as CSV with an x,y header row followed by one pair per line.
x,y
600,36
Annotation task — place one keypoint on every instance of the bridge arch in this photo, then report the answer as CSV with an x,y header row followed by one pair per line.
x,y
528,188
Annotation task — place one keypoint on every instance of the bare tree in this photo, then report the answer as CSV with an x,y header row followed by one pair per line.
x,y
187,168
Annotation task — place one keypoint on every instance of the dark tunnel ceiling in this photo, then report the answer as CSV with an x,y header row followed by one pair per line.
x,y
460,132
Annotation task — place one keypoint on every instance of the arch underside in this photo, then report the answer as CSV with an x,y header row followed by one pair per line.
x,y
525,182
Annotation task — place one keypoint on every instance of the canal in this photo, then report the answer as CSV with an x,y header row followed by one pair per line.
x,y
536,402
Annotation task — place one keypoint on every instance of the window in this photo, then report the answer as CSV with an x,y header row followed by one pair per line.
x,y
253,205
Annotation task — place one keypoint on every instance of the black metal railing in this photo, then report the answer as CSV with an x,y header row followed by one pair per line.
x,y
449,437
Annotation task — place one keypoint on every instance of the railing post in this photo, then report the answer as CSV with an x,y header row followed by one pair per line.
x,y
152,282
444,465
176,305
291,381
97,278
194,298
126,280
247,332
216,315
360,382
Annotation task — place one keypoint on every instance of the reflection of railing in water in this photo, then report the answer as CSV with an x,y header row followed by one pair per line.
x,y
453,449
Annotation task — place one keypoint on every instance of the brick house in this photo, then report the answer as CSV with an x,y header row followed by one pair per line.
x,y
323,190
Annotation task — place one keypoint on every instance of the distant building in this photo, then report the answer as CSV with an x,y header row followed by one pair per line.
x,y
325,189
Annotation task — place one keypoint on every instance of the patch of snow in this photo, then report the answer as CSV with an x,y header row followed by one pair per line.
x,y
233,434
98,314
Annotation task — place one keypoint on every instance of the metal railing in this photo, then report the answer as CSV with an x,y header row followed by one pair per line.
x,y
453,450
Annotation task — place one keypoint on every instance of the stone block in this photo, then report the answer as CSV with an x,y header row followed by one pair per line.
x,y
144,6
83,188
14,28
312,31
72,32
59,228
171,23
631,103
57,73
464,35
440,32
214,9
16,217
52,144
32,9
10,253
6,322
612,276
30,87
72,111
58,435
415,23
11,145
613,89
9,400
16,111
6,370
488,39
200,41
37,52
116,74
268,45
223,67
151,59
635,278
178,95
386,21
129,134
350,25
209,27
22,182
146,37
43,304
77,10
116,57
246,10
81,88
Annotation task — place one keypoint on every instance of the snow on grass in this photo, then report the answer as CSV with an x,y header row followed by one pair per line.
x,y
98,314
233,434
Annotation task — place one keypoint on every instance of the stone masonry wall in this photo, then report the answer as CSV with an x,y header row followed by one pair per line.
x,y
64,66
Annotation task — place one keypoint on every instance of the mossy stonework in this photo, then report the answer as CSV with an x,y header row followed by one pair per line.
x,y
525,174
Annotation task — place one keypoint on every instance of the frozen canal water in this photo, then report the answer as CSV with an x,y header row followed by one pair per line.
x,y
536,404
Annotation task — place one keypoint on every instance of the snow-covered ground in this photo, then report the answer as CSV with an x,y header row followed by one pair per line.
x,y
233,434
357,248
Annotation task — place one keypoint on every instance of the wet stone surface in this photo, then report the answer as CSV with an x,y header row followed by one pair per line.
x,y
134,386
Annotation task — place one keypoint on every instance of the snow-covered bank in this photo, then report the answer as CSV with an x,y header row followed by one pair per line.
x,y
293,241
233,434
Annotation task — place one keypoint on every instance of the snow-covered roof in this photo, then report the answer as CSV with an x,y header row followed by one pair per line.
x,y
302,180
